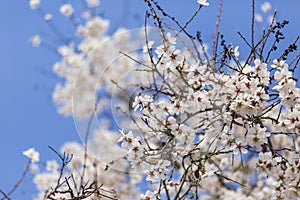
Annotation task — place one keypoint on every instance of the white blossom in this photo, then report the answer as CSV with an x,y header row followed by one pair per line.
x,y
236,52
93,3
32,154
149,195
66,10
48,17
35,41
52,165
258,18
34,4
203,2
266,7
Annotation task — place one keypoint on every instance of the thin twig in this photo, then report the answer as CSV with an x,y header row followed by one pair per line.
x,y
4,194
18,183
217,29
252,24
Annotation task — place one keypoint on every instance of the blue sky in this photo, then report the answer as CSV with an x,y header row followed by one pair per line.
x,y
29,118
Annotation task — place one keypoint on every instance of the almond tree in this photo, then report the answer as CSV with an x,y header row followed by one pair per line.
x,y
162,112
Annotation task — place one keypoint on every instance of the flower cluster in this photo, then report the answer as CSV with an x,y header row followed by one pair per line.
x,y
103,171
